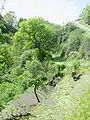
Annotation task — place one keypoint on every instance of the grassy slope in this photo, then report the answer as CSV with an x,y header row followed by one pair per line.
x,y
69,101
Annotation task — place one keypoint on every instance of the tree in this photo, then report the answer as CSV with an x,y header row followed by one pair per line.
x,y
37,74
35,33
85,15
20,21
74,41
10,18
34,74
4,38
85,47
5,58
8,23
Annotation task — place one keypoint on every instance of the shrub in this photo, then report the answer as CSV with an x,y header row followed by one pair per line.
x,y
76,64
62,67
85,47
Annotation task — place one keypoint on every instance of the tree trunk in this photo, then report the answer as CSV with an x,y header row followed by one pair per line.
x,y
35,88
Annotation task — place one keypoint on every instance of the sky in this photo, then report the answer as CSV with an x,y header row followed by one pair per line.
x,y
56,11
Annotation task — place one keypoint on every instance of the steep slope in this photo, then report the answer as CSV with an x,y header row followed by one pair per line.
x,y
69,101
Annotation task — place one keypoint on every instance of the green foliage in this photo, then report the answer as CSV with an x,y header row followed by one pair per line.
x,y
69,27
5,58
7,92
10,18
52,69
69,101
4,38
85,15
26,50
8,23
3,28
62,67
7,78
76,65
36,71
27,55
74,41
15,73
85,47
72,65
35,33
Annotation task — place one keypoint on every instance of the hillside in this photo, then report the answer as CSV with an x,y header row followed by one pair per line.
x,y
38,60
68,100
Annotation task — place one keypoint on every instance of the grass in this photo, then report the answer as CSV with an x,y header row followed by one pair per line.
x,y
82,112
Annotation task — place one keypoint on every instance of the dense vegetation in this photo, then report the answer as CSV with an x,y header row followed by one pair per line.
x,y
30,48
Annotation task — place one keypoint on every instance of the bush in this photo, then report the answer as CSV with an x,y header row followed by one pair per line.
x,y
60,69
76,64
74,41
85,47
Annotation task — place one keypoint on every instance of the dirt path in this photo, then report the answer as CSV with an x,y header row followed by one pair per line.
x,y
24,104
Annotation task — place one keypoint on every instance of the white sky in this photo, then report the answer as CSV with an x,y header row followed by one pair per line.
x,y
57,11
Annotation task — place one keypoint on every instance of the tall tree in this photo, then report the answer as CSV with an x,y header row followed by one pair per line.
x,y
35,33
